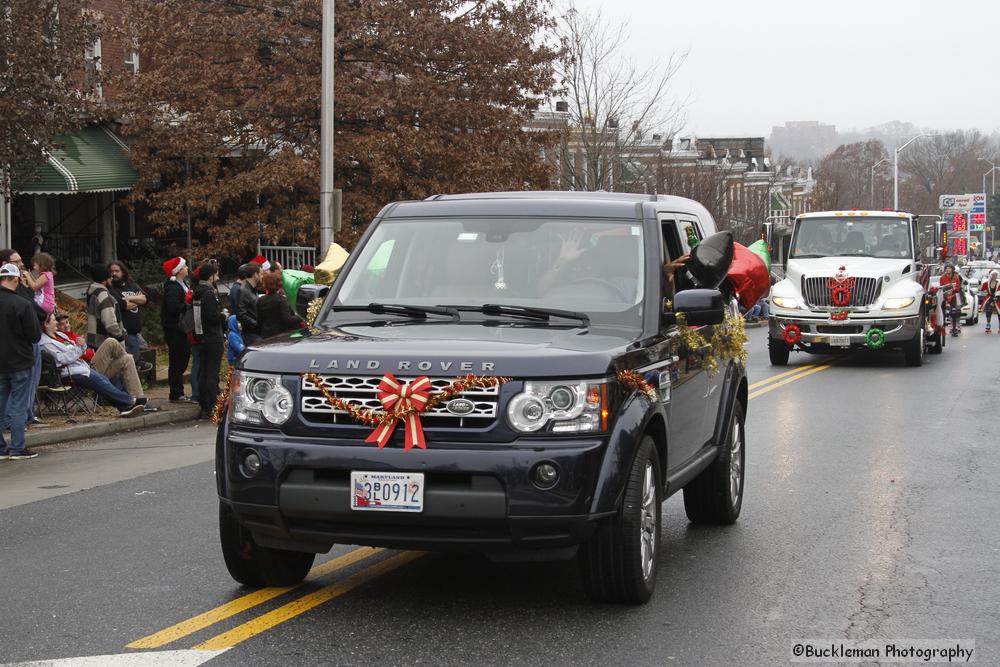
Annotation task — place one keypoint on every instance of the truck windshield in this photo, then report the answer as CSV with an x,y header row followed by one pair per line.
x,y
590,266
844,236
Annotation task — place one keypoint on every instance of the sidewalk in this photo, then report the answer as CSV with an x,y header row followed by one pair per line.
x,y
107,421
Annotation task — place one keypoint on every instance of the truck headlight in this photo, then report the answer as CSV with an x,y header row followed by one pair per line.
x,y
565,406
785,302
260,399
898,303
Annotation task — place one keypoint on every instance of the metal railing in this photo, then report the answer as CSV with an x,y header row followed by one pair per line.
x,y
289,256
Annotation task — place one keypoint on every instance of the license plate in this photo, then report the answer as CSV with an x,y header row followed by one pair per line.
x,y
387,491
840,341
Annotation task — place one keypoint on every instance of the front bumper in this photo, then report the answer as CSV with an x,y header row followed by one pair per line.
x,y
818,331
478,496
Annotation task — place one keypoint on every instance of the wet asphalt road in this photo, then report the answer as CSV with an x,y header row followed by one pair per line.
x,y
870,512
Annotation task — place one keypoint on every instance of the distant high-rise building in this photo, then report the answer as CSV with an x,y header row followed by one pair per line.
x,y
805,140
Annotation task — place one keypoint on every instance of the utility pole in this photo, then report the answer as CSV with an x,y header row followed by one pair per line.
x,y
327,197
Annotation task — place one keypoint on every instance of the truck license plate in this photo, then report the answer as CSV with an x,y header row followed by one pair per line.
x,y
840,341
387,491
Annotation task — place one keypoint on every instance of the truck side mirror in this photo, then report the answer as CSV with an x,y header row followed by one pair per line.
x,y
700,307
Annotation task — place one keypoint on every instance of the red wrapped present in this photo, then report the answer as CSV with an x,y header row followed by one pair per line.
x,y
748,276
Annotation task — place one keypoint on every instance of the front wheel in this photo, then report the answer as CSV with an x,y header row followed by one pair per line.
x,y
778,351
914,349
716,495
253,565
619,563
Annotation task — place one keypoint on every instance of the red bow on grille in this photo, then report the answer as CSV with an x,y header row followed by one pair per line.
x,y
396,396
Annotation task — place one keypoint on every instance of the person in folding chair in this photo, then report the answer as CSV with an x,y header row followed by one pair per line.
x,y
72,366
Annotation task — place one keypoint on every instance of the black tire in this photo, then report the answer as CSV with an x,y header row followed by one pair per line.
x,y
612,562
253,565
778,351
914,349
712,497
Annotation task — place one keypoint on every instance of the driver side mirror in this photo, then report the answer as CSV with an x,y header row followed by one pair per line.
x,y
700,307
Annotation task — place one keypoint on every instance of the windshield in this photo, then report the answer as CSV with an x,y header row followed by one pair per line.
x,y
591,266
844,236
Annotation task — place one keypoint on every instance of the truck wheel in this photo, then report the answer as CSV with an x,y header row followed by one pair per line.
x,y
619,563
778,351
253,565
914,350
716,495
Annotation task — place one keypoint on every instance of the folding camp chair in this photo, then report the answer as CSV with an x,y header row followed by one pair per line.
x,y
59,396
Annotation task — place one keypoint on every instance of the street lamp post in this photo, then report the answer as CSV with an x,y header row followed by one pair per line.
x,y
885,159
895,169
326,190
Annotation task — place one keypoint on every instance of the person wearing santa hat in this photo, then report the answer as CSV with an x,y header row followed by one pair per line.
x,y
174,301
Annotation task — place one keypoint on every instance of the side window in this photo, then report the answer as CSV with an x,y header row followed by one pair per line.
x,y
690,234
671,240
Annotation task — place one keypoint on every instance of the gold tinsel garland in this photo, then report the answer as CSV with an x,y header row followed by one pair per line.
x,y
633,380
376,418
728,342
223,400
312,310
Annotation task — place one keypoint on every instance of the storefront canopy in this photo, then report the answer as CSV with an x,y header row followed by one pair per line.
x,y
93,159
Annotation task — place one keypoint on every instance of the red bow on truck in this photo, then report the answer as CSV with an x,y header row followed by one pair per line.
x,y
400,398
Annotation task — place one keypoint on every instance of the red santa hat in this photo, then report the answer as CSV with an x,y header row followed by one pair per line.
x,y
264,264
173,266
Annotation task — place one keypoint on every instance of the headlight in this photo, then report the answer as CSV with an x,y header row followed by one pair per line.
x,y
567,407
897,303
260,399
785,302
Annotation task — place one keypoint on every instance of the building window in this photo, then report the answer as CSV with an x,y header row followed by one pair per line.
x,y
92,69
132,62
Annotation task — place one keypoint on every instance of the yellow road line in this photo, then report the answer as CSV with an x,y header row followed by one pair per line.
x,y
817,369
241,604
761,383
254,627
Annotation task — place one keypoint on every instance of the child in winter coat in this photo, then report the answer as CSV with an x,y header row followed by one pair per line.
x,y
235,340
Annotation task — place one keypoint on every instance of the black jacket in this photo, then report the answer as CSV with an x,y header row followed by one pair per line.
x,y
276,315
174,300
212,320
19,329
246,311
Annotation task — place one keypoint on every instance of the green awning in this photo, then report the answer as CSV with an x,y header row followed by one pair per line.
x,y
778,202
93,159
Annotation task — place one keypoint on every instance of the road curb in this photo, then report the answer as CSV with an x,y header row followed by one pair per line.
x,y
180,413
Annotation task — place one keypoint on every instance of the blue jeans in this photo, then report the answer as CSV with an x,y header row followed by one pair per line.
x,y
195,369
36,377
103,386
15,402
132,346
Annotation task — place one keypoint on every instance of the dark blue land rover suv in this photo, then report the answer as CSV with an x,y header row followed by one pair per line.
x,y
567,455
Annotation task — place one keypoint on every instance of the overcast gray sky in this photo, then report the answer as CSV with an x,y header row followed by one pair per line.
x,y
851,63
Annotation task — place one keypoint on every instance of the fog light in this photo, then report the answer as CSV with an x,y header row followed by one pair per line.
x,y
545,475
251,464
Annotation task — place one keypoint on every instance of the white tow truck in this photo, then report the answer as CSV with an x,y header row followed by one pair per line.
x,y
853,280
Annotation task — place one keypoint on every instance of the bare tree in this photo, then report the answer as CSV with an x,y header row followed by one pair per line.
x,y
615,106
844,177
942,164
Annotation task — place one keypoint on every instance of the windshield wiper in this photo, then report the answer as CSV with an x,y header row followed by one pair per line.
x,y
420,312
539,314
807,256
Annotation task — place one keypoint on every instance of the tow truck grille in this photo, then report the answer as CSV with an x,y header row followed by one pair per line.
x,y
865,291
363,391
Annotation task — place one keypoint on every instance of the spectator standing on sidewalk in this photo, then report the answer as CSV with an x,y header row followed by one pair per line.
x,y
19,336
174,301
130,298
43,281
246,306
234,341
210,333
195,394
104,317
242,274
13,257
276,316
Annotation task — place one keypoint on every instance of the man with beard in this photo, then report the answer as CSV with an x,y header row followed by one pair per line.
x,y
130,297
